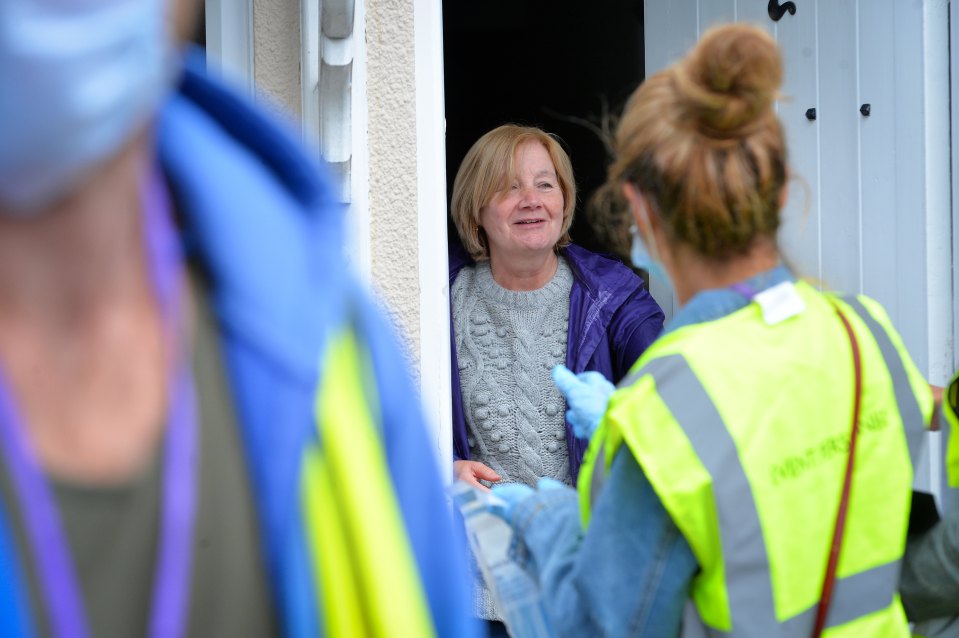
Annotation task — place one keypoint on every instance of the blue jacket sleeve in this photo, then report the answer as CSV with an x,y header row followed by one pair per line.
x,y
439,553
628,575
637,323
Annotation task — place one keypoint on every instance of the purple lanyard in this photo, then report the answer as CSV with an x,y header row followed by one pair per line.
x,y
171,585
744,290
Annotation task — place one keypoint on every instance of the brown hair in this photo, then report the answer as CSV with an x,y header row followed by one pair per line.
x,y
488,168
607,213
701,140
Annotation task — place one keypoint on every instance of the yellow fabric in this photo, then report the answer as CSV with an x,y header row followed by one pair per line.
x,y
340,591
785,393
951,399
891,622
367,578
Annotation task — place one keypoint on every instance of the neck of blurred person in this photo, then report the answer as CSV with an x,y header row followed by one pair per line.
x,y
524,271
81,336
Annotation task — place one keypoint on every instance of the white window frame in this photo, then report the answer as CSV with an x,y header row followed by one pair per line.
x,y
229,40
339,113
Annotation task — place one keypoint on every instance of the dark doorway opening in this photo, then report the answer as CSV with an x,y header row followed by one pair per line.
x,y
561,65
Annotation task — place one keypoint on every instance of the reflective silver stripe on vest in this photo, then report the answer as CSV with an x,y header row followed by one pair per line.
x,y
748,585
599,474
853,597
912,421
632,377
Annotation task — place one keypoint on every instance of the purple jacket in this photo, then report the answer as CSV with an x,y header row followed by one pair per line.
x,y
612,320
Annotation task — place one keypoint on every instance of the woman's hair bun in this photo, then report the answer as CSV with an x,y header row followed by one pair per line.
x,y
726,85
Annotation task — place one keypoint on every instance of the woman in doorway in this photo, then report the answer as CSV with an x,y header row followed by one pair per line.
x,y
721,472
524,299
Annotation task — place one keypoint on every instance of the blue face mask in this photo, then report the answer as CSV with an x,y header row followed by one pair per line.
x,y
79,78
642,259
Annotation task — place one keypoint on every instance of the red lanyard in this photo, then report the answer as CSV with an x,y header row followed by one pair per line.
x,y
830,579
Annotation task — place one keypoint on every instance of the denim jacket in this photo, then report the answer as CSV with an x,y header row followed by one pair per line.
x,y
629,574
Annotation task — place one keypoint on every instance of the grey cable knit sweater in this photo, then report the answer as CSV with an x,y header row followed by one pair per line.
x,y
507,343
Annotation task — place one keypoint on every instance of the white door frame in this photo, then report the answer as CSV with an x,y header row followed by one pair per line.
x,y
431,223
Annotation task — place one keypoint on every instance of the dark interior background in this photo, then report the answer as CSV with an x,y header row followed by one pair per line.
x,y
547,63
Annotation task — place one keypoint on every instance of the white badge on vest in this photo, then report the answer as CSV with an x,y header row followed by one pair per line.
x,y
779,302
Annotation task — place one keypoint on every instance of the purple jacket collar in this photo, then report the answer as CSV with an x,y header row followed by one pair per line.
x,y
606,304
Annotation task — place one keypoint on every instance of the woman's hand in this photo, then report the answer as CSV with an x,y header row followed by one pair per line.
x,y
472,472
937,393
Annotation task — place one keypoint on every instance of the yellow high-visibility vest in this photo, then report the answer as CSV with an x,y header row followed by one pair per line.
x,y
950,442
742,429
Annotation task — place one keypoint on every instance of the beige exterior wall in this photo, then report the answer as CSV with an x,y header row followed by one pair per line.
x,y
276,55
391,96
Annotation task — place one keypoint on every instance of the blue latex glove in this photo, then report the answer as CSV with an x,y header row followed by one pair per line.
x,y
545,484
509,496
587,394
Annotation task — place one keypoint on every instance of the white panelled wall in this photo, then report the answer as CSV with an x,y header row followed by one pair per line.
x,y
869,208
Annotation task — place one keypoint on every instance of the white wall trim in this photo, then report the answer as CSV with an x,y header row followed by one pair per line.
x,y
334,111
229,40
326,89
938,192
939,248
359,251
431,223
310,72
954,213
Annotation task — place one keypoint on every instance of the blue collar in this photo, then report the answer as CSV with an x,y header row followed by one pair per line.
x,y
716,303
259,216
